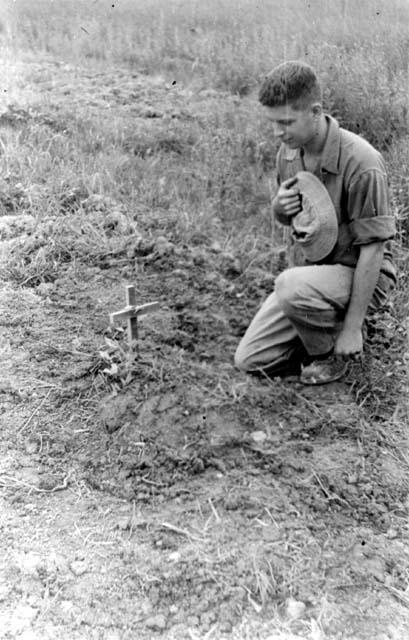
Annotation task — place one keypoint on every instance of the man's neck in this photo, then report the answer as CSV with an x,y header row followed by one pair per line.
x,y
315,145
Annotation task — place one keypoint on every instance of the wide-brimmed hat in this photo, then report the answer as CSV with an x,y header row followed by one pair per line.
x,y
315,228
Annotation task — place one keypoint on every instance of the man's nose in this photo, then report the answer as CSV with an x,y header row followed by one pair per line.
x,y
278,131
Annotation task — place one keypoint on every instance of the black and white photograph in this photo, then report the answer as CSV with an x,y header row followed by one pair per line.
x,y
204,320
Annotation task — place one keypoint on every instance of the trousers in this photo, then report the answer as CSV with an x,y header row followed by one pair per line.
x,y
301,319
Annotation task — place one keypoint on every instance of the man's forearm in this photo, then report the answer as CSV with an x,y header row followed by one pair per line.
x,y
363,286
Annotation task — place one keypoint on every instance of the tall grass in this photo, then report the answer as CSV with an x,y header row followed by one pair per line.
x,y
156,33
215,169
360,49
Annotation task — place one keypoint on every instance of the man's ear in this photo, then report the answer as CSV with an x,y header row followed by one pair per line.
x,y
316,109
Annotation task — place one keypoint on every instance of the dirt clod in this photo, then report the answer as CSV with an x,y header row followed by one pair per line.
x,y
78,567
295,609
156,623
258,436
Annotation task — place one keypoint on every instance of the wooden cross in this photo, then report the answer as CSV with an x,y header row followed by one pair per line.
x,y
131,313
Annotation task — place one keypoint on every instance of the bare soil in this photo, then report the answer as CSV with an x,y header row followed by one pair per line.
x,y
164,494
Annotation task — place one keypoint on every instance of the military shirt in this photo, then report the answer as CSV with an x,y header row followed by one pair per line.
x,y
354,174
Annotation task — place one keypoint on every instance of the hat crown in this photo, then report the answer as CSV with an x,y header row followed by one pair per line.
x,y
307,221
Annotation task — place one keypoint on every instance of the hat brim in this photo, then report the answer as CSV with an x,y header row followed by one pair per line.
x,y
316,197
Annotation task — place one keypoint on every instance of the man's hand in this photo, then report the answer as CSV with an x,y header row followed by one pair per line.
x,y
287,202
366,275
349,342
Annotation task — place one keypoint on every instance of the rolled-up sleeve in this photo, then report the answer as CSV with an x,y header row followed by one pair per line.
x,y
368,207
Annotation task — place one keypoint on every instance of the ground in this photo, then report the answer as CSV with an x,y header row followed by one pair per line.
x,y
162,493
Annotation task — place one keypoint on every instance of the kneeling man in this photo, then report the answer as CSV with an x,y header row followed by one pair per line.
x,y
333,196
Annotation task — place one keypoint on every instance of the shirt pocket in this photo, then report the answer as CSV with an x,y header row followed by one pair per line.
x,y
333,184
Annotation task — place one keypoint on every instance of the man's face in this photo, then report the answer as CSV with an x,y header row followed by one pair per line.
x,y
294,127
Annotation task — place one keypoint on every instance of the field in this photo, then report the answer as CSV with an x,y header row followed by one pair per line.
x,y
158,492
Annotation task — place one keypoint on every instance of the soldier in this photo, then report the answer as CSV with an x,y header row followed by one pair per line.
x,y
313,321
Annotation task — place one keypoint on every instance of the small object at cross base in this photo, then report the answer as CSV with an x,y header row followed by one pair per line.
x,y
132,312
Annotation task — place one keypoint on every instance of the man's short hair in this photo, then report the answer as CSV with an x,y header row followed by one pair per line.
x,y
294,83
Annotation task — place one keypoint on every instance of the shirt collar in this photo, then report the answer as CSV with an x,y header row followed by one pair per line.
x,y
330,153
332,147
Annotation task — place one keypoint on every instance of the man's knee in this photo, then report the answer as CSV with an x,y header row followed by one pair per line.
x,y
288,285
242,357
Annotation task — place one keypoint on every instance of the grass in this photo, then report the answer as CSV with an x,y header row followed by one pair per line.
x,y
196,169
195,165
361,51
221,163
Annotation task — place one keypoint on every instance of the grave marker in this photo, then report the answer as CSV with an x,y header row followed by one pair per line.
x,y
131,313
